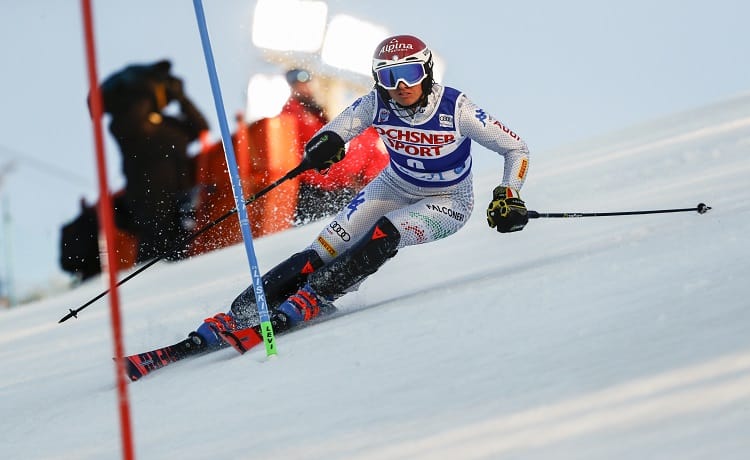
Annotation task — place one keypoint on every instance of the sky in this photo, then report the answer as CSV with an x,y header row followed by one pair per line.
x,y
556,73
595,338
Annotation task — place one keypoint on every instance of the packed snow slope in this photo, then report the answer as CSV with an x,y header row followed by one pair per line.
x,y
613,338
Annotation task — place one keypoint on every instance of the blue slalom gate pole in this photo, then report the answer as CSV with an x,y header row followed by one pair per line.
x,y
234,175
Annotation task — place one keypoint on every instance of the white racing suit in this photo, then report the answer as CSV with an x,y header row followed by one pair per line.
x,y
426,191
424,194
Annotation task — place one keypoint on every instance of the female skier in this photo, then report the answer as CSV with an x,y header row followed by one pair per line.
x,y
424,194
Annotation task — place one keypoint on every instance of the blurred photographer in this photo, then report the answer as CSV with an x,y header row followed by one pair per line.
x,y
158,169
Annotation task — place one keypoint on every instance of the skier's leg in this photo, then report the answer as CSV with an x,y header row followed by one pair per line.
x,y
280,282
323,285
359,261
422,221
348,233
332,280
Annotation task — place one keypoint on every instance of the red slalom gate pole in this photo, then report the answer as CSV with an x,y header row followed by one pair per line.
x,y
106,220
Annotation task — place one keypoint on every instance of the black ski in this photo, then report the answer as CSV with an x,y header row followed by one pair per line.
x,y
138,365
242,340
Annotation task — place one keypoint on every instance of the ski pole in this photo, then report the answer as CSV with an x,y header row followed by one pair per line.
x,y
304,166
701,208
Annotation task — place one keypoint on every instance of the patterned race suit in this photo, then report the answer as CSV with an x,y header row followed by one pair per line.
x,y
426,191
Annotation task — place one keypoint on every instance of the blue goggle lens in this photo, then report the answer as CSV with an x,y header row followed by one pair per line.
x,y
409,73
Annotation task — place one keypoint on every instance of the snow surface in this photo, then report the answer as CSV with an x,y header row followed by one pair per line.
x,y
589,338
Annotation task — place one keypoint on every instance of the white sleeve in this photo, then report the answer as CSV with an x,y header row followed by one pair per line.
x,y
479,126
355,118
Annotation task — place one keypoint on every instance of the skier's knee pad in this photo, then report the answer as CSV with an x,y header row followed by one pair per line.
x,y
379,245
358,262
279,283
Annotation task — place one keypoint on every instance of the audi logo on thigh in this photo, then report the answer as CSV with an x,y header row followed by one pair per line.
x,y
339,230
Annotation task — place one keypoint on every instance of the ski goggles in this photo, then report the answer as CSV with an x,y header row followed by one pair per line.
x,y
410,73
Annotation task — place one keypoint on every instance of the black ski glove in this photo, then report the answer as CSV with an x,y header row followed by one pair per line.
x,y
323,150
507,211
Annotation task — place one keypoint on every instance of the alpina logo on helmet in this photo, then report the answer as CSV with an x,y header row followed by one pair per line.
x,y
395,46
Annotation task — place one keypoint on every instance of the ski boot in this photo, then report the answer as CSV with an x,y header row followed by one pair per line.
x,y
305,305
211,329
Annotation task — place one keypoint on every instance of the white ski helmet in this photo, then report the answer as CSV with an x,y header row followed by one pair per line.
x,y
402,58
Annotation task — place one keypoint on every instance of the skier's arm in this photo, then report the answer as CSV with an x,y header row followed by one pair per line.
x,y
327,146
478,125
354,119
506,211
